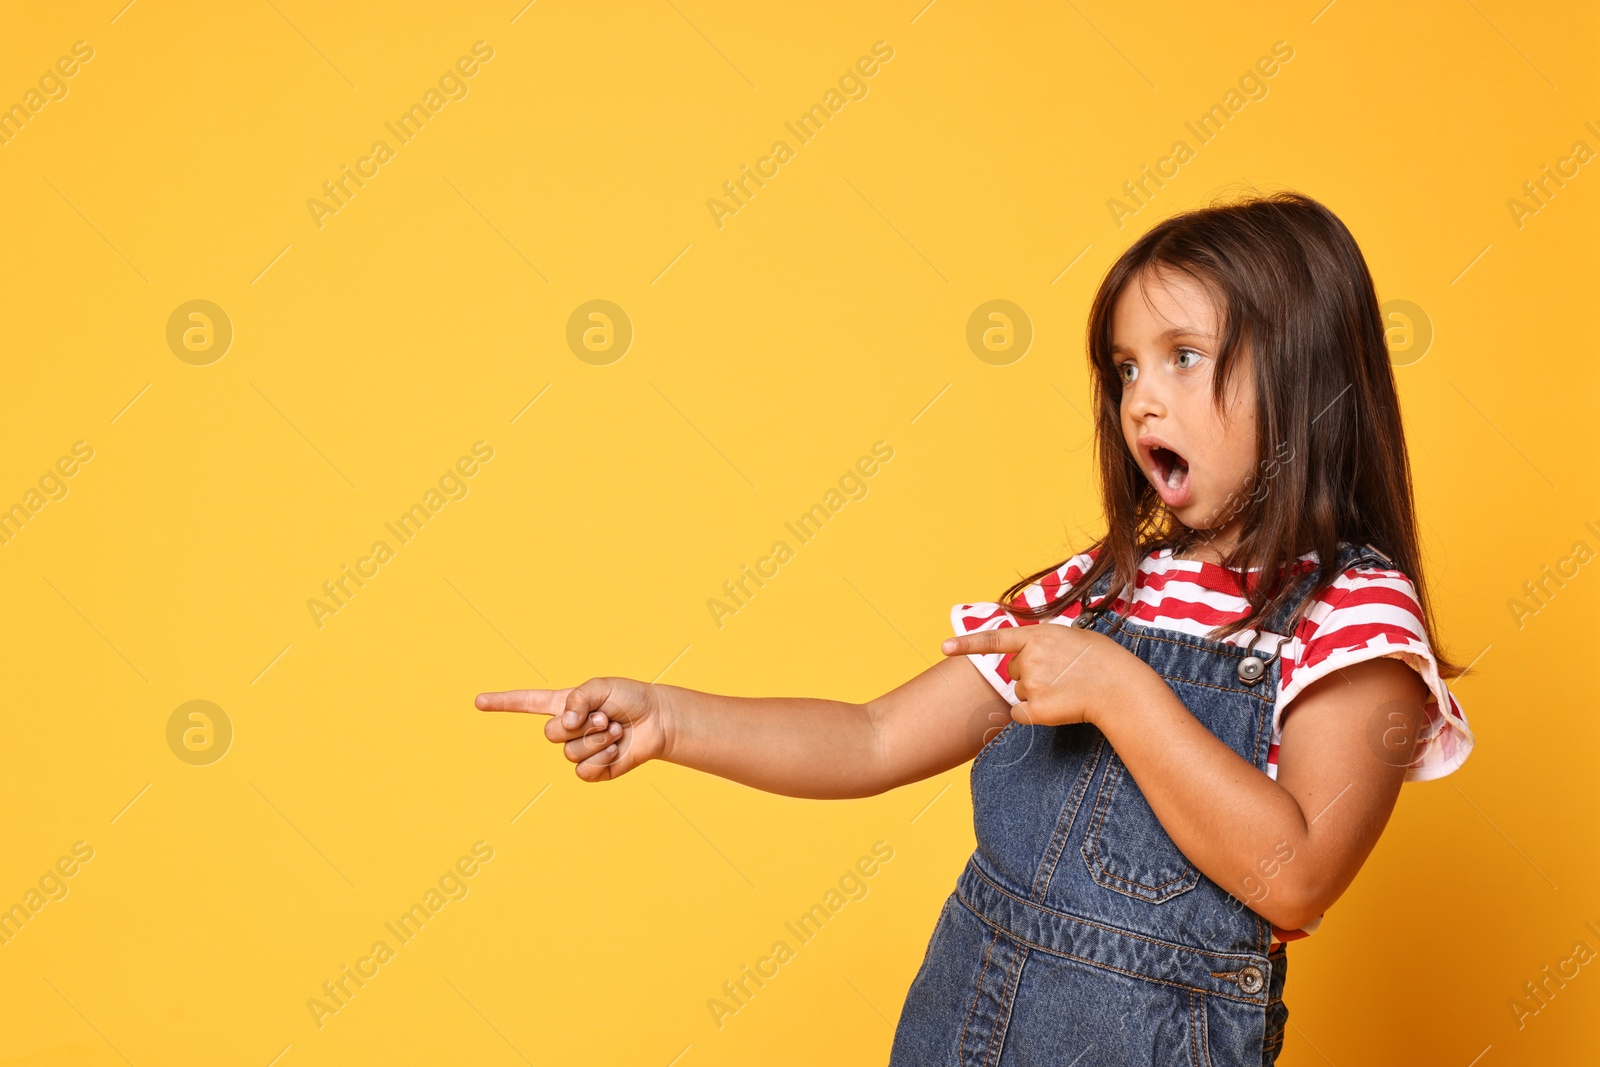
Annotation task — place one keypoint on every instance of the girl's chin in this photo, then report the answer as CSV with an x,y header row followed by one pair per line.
x,y
1194,506
1194,510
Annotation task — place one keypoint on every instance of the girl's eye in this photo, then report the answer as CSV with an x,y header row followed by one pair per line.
x,y
1188,357
1128,371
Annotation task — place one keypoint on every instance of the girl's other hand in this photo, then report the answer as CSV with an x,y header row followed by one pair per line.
x,y
607,726
1063,674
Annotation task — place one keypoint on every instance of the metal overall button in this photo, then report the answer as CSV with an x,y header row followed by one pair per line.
x,y
1248,978
1089,615
1253,668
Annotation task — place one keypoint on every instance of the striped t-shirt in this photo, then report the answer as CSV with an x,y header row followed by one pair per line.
x,y
1368,612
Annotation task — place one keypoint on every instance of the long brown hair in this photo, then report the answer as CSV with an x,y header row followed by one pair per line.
x,y
1289,281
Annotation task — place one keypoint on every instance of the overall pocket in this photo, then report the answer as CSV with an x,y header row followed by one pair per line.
x,y
1125,847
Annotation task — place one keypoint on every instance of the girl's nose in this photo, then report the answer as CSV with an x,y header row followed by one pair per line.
x,y
1143,400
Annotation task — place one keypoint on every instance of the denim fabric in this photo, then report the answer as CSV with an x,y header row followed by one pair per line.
x,y
1078,933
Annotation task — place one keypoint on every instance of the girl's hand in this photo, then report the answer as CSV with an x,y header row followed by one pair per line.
x,y
1063,674
608,726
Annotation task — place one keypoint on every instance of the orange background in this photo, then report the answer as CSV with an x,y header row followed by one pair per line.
x,y
431,311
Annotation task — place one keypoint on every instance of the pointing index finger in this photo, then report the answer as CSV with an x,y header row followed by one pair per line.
x,y
1005,639
528,701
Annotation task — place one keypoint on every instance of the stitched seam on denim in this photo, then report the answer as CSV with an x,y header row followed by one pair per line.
x,y
1185,640
1196,1027
1256,693
1014,936
1272,1043
1098,926
1216,648
1271,1047
1111,795
1097,816
1097,866
1090,859
997,1036
1210,647
1269,697
1064,823
978,992
1263,712
1200,1029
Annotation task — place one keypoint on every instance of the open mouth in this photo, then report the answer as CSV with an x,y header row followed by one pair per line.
x,y
1172,470
1170,473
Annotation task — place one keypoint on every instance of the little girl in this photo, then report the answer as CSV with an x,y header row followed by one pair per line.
x,y
1152,825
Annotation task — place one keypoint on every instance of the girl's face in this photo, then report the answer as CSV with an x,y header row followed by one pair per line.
x,y
1165,336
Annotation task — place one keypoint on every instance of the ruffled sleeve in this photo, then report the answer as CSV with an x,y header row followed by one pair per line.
x,y
1370,613
988,615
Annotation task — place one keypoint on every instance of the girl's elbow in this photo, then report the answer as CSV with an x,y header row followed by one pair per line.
x,y
1284,915
1294,907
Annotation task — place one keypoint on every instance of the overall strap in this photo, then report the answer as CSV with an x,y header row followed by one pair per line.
x,y
1095,602
1102,586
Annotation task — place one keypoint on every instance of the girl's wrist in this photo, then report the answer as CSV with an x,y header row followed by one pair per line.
x,y
1125,689
667,704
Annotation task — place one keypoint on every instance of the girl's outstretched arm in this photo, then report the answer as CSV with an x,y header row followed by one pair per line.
x,y
798,746
1287,848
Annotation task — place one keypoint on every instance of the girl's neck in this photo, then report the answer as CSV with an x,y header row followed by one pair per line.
x,y
1207,546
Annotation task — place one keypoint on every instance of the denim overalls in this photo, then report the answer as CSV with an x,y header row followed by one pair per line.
x,y
1078,933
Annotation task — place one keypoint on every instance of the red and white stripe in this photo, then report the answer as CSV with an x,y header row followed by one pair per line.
x,y
1368,612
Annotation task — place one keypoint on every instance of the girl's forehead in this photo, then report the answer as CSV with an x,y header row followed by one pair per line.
x,y
1163,305
1170,294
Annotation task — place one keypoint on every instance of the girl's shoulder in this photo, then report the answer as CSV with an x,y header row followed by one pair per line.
x,y
1060,581
1372,610
1367,600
